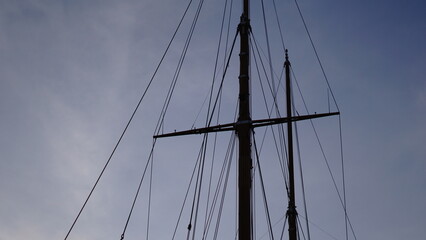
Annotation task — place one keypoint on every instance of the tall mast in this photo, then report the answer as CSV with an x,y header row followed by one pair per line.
x,y
291,211
243,129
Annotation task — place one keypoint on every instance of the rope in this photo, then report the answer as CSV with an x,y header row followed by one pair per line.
x,y
273,226
279,25
209,119
347,220
129,121
281,133
342,202
268,217
220,86
228,156
218,112
150,158
334,181
216,61
222,200
149,198
200,160
186,195
268,49
321,229
269,112
165,107
223,78
301,229
301,178
300,170
285,222
199,182
316,54
179,67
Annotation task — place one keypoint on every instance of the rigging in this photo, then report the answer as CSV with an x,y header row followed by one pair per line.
x,y
244,128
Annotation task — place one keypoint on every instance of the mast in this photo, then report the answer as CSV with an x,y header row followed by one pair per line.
x,y
243,130
291,211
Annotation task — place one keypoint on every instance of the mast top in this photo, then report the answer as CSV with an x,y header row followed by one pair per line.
x,y
287,62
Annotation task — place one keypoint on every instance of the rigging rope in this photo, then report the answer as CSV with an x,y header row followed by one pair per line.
x,y
218,112
321,229
149,197
228,159
279,25
160,124
268,217
301,177
222,81
165,106
199,183
273,226
285,222
150,159
324,156
129,121
186,195
212,111
343,180
281,133
268,48
179,67
329,90
301,229
272,87
316,53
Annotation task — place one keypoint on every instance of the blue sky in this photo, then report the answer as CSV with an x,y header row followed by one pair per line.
x,y
71,73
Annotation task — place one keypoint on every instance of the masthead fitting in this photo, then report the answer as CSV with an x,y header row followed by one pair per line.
x,y
287,62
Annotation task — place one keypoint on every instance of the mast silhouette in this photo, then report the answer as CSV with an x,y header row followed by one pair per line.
x,y
244,127
291,211
243,130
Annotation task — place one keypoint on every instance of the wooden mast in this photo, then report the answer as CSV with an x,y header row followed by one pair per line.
x,y
243,130
291,211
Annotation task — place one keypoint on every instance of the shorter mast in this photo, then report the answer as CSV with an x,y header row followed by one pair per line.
x,y
291,211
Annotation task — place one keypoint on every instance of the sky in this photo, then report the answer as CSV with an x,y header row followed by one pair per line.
x,y
71,73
